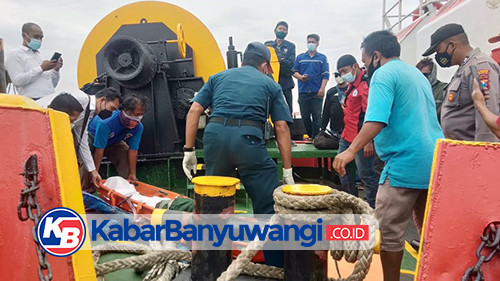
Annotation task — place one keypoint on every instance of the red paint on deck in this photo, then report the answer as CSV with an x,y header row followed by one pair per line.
x,y
26,132
465,197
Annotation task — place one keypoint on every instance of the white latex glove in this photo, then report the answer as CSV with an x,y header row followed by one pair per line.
x,y
189,163
288,176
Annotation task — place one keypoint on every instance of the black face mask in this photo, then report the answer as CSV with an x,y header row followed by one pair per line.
x,y
104,114
444,59
372,68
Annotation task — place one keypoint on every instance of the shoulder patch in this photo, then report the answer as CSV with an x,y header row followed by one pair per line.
x,y
451,97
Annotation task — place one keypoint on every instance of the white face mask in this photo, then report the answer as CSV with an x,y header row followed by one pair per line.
x,y
135,118
349,77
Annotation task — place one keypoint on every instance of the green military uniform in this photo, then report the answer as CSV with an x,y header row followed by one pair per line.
x,y
234,137
438,91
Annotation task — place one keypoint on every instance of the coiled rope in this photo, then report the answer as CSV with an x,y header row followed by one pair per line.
x,y
163,262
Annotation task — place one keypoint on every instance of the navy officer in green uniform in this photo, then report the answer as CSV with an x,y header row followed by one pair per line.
x,y
234,137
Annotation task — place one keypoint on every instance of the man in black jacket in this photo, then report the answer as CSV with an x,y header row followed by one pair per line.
x,y
332,110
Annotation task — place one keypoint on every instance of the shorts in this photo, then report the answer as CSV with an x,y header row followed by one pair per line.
x,y
394,207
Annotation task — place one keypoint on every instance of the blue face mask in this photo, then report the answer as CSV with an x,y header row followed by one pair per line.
x,y
311,47
34,44
349,77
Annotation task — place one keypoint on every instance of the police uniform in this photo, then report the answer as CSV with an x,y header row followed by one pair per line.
x,y
459,119
286,56
234,137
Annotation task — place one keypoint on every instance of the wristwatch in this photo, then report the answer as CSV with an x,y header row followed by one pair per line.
x,y
188,148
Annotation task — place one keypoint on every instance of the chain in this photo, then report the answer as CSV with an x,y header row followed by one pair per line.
x,y
490,241
28,208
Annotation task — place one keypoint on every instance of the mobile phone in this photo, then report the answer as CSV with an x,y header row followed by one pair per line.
x,y
473,69
56,56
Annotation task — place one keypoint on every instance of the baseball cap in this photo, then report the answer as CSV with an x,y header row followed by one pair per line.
x,y
441,34
260,50
283,23
346,60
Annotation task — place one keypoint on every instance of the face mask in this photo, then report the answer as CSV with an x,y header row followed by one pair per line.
x,y
281,34
34,44
444,59
349,77
104,114
311,47
339,80
372,68
72,125
129,122
135,118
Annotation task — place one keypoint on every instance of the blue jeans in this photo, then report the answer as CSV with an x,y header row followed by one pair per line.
x,y
366,171
310,104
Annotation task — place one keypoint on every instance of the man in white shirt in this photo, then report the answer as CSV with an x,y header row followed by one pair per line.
x,y
32,76
103,104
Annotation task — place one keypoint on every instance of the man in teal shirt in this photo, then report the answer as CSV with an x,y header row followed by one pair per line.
x,y
401,117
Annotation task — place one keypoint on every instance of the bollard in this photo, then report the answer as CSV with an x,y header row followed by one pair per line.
x,y
302,264
212,195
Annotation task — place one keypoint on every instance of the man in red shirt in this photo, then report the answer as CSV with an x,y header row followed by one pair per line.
x,y
355,102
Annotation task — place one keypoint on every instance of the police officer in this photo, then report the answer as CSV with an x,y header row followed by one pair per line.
x,y
233,137
459,119
285,50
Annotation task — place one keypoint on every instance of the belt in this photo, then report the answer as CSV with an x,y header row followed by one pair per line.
x,y
236,122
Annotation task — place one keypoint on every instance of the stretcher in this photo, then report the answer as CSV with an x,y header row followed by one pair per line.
x,y
128,204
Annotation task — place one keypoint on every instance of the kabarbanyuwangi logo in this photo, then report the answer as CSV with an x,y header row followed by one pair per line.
x,y
61,232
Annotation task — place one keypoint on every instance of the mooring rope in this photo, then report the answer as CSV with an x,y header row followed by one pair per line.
x,y
335,203
164,264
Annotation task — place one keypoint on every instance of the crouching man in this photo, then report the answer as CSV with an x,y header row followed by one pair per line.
x,y
118,136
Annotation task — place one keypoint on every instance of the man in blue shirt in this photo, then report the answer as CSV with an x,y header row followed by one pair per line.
x,y
312,71
285,50
110,136
401,117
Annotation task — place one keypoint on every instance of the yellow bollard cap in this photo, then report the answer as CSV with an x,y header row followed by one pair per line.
x,y
157,216
307,189
215,186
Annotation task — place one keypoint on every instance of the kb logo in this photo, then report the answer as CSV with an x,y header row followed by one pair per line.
x,y
61,232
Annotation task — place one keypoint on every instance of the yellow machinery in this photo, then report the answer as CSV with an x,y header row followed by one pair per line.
x,y
157,50
205,51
